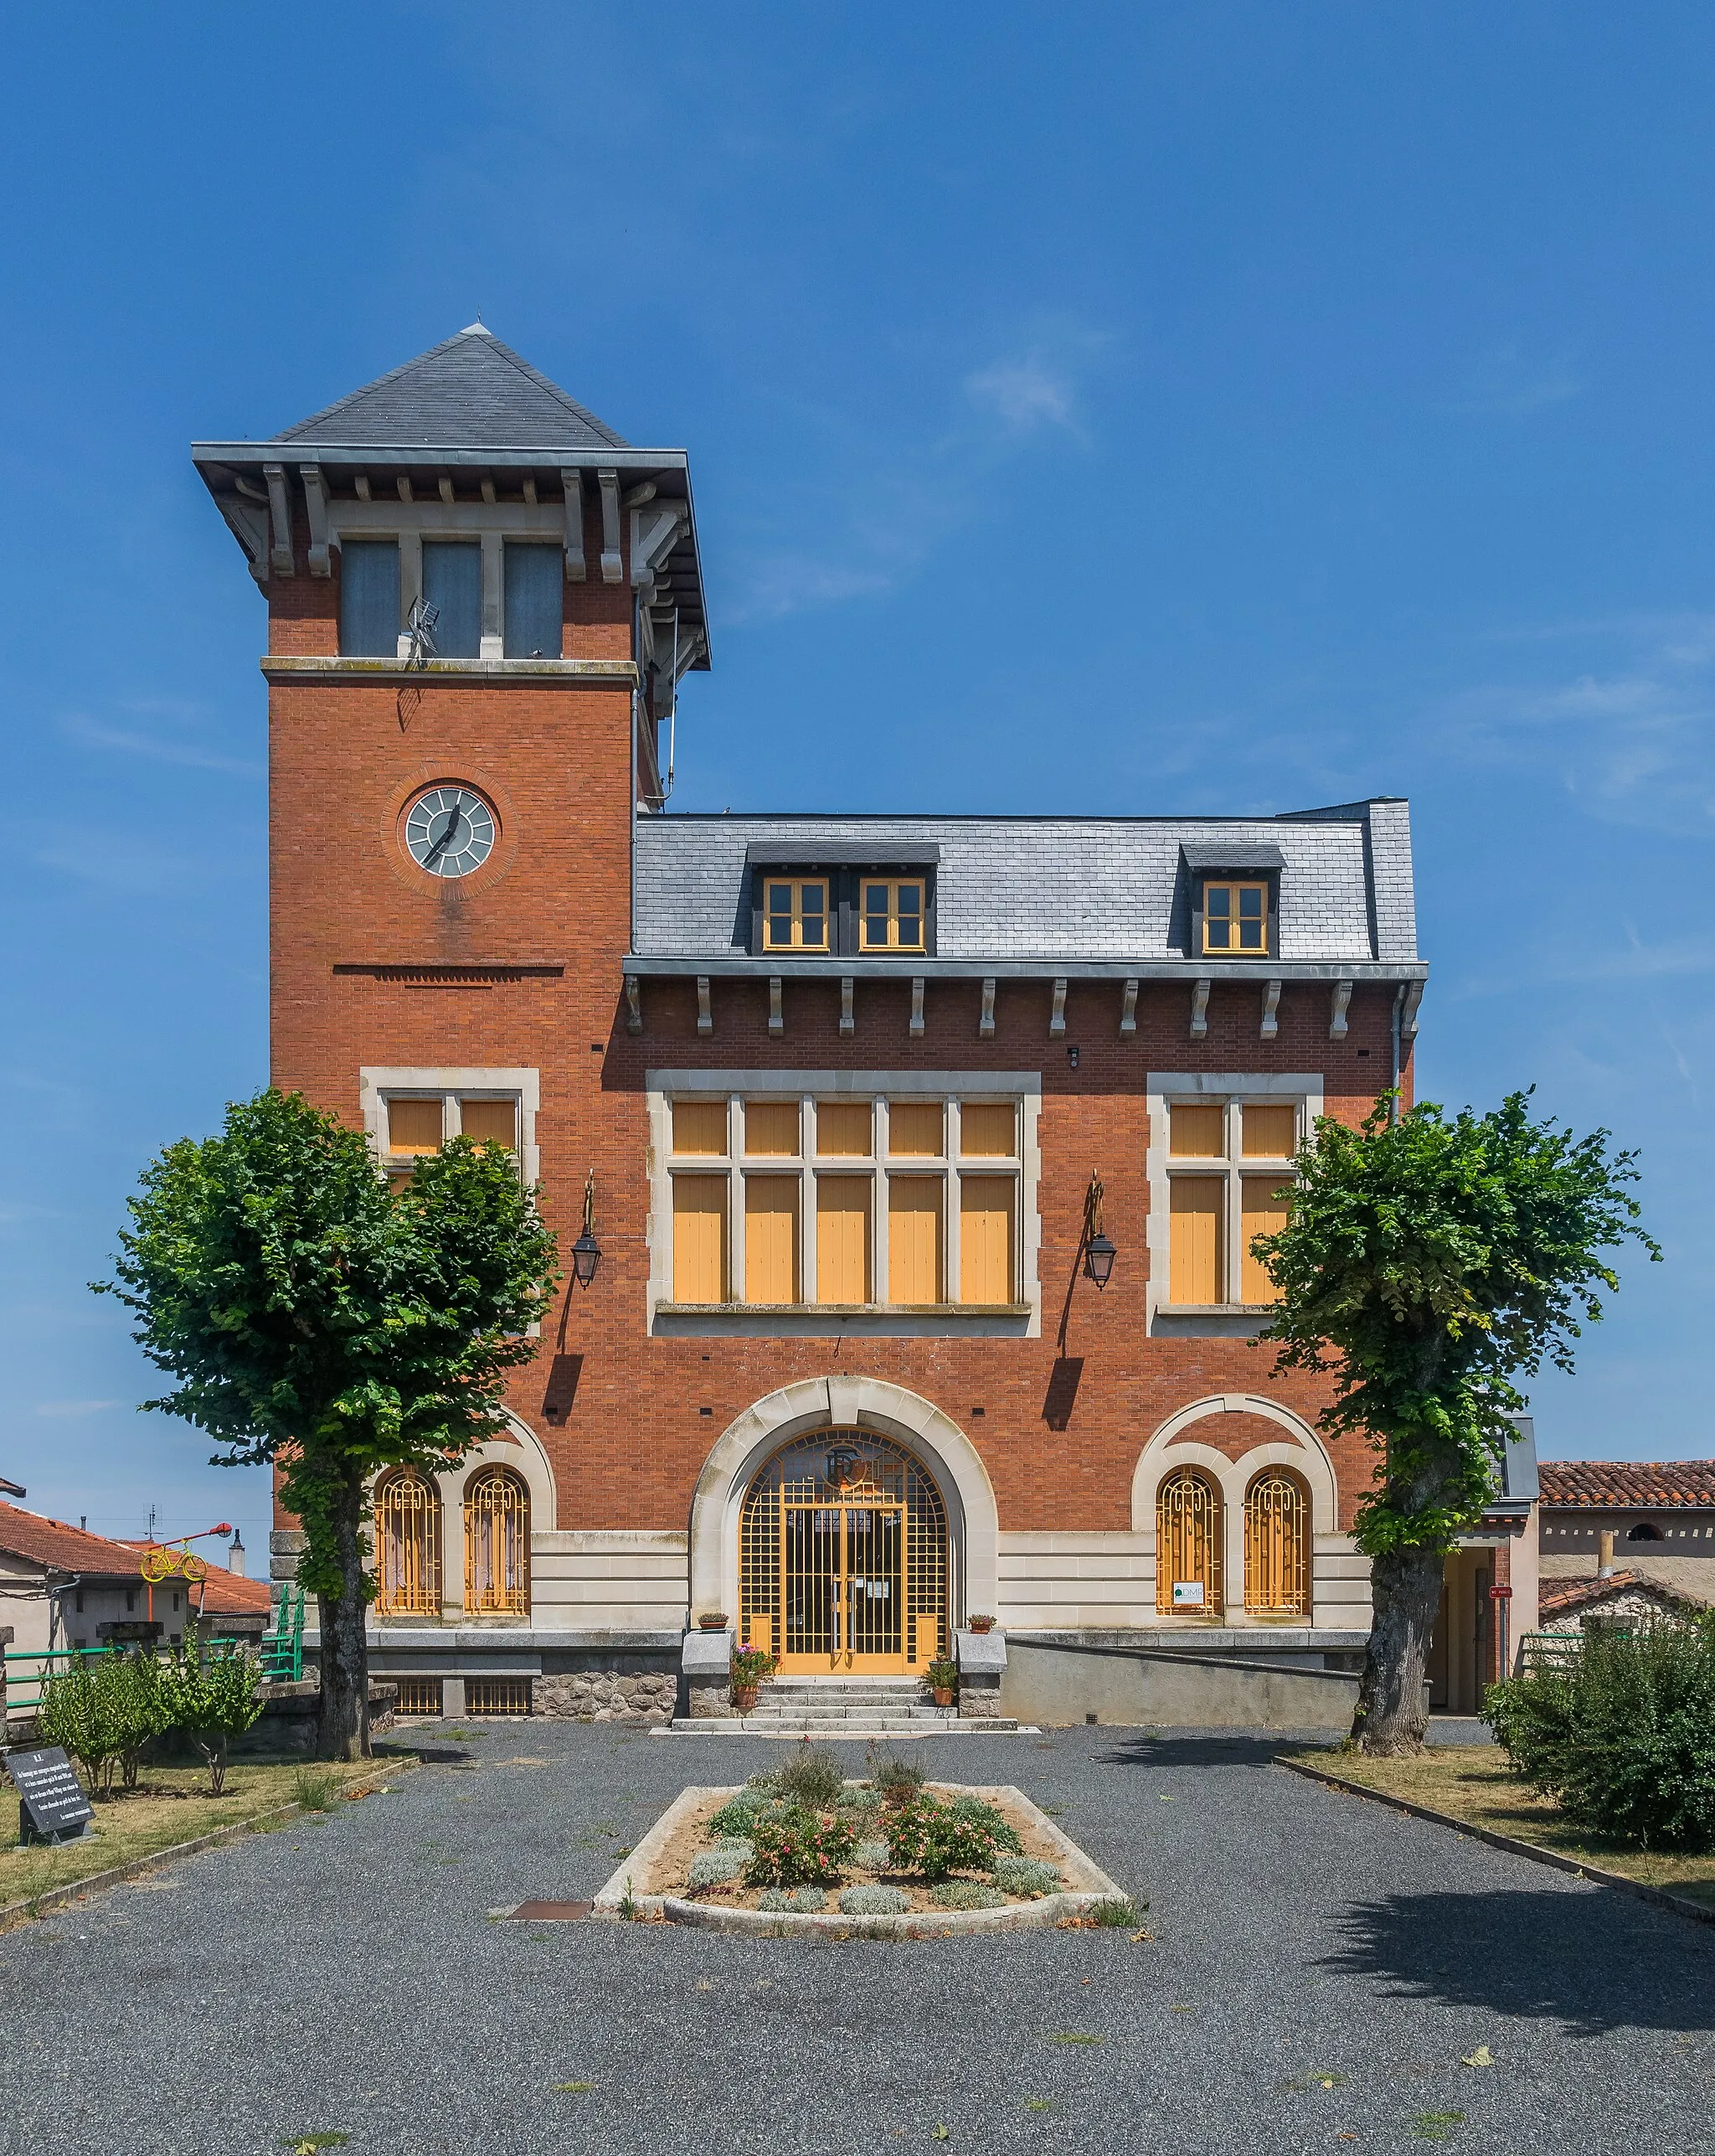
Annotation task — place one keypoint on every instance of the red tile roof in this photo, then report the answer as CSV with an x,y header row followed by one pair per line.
x,y
66,1548
1559,1597
1627,1485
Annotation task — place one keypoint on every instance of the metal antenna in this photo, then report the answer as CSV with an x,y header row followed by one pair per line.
x,y
420,629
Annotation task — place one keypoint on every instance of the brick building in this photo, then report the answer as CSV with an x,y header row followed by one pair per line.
x,y
860,1104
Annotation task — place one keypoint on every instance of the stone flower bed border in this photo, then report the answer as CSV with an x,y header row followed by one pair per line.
x,y
1089,1884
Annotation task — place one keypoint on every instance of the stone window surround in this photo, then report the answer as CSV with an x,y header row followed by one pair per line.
x,y
525,1456
662,1086
377,1081
1162,1089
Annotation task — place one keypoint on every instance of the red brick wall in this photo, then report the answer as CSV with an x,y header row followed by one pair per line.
x,y
629,1446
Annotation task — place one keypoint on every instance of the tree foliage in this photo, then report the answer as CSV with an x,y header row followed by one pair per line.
x,y
317,1319
212,1697
1428,1264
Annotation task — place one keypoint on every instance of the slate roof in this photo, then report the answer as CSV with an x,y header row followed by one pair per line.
x,y
1066,887
1627,1485
473,392
55,1543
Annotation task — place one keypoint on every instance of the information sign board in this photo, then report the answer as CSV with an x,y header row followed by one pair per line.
x,y
53,1806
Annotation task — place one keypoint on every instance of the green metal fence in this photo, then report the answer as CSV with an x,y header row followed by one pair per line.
x,y
24,1687
283,1643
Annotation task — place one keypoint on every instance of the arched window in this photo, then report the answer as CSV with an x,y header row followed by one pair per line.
x,y
1277,1545
408,1545
1643,1531
1188,1545
496,1544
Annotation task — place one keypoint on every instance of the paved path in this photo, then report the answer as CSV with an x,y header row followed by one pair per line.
x,y
341,1976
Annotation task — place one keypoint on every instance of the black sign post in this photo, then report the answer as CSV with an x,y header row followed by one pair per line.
x,y
52,1805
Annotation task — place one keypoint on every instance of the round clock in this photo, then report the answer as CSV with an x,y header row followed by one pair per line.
x,y
449,830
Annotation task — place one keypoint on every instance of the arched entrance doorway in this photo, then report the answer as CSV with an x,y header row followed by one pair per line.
x,y
843,1557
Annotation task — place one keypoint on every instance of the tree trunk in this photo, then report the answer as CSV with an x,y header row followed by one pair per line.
x,y
1392,1714
343,1731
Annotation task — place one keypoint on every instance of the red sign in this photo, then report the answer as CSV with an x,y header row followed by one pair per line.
x,y
1500,1594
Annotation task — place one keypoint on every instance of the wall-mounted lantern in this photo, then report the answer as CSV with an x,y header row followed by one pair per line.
x,y
586,1251
1099,1253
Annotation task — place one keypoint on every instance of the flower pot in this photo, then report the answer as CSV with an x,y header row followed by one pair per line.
x,y
942,1697
980,1624
715,1621
744,1697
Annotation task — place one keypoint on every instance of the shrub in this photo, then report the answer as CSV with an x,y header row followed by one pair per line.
x,y
859,1800
872,1856
797,1847
894,1778
710,1867
315,1789
874,1902
738,1815
926,1835
214,1698
752,1665
1623,1735
942,1676
967,1894
101,1708
795,1902
1006,1837
812,1778
1023,1875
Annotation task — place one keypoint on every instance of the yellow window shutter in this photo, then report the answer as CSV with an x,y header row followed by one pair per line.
x,y
699,1239
1263,1214
414,1126
843,1239
843,1130
771,1239
913,1238
986,1262
700,1127
914,1129
1196,1268
988,1130
1196,1131
771,1128
485,1120
1271,1132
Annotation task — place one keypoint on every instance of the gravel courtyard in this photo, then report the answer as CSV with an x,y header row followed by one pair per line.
x,y
342,1976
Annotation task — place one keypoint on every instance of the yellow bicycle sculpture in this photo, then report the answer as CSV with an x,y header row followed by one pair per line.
x,y
161,1562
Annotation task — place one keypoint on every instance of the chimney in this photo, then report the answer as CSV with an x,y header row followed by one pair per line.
x,y
1604,1554
235,1555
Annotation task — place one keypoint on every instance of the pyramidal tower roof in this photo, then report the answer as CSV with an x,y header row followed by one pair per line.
x,y
471,392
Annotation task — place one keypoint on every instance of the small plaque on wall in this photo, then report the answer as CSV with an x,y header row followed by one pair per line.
x,y
1188,1594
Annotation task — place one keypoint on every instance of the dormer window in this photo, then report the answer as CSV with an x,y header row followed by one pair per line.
x,y
892,914
795,915
1235,918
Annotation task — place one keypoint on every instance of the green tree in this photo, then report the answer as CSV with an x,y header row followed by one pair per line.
x,y
1428,1262
316,1319
212,1697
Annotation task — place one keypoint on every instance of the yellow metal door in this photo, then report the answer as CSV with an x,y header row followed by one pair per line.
x,y
842,1587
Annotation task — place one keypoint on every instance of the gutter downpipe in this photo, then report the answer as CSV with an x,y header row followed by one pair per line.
x,y
631,805
1393,1095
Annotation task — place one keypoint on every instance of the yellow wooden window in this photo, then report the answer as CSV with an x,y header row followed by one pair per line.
x,y
1196,1131
490,1120
842,1240
1277,1545
914,1238
414,1126
892,914
844,1130
1261,1214
1269,1133
771,1239
771,1129
699,1239
985,1261
988,1130
795,915
700,1127
914,1129
1196,1269
1235,917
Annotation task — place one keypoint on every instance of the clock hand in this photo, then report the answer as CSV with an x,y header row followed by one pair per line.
x,y
452,825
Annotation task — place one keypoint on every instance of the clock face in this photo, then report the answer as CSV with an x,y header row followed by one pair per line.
x,y
449,830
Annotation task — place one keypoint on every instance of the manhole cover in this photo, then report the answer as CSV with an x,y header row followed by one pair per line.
x,y
540,1912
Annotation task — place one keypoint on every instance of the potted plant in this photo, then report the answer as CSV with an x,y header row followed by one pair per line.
x,y
979,1624
752,1666
711,1620
943,1680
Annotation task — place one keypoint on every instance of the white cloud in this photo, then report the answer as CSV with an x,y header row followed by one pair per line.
x,y
1023,392
91,734
61,1410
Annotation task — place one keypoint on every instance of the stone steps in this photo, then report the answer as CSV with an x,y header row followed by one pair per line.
x,y
859,1732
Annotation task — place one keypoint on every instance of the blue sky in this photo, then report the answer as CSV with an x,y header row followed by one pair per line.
x,y
1182,407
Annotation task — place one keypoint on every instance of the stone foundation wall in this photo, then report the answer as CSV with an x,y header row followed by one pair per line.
x,y
979,1695
709,1701
606,1695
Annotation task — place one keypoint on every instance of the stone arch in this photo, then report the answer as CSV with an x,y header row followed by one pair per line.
x,y
865,1403
1177,1443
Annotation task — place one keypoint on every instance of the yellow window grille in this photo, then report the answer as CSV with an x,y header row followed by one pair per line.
x,y
844,1557
496,1544
407,1546
1277,1545
419,1695
497,1695
1188,1545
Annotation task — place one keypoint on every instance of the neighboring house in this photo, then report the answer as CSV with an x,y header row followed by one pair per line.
x,y
1625,1597
1477,1632
62,1587
871,1105
1661,1514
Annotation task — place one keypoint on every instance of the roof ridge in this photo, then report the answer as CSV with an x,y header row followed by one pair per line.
x,y
351,396
534,374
